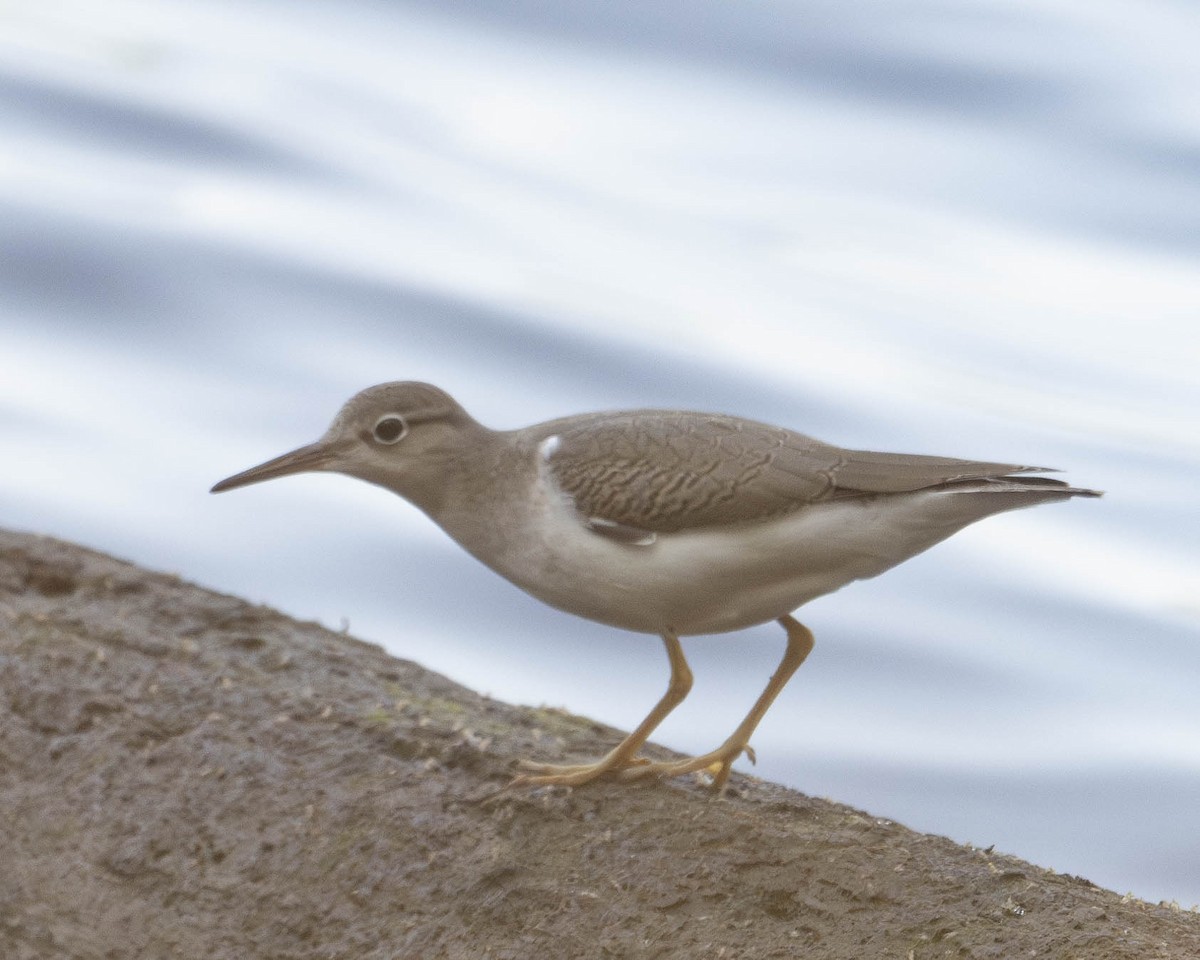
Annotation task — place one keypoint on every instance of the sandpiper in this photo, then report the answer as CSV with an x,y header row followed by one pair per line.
x,y
665,522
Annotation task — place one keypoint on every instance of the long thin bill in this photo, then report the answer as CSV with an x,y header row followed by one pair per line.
x,y
315,456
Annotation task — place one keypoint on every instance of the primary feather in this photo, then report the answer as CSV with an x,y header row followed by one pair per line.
x,y
670,471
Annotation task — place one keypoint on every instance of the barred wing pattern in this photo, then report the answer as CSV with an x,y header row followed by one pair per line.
x,y
662,472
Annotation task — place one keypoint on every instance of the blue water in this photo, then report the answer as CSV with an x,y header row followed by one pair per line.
x,y
965,228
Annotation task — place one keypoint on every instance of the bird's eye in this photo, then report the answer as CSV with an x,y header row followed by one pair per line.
x,y
390,428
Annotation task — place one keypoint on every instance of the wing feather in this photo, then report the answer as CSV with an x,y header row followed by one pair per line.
x,y
660,471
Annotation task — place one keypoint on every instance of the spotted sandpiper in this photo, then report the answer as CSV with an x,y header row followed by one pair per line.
x,y
665,522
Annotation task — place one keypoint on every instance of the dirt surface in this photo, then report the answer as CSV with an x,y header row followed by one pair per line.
x,y
183,774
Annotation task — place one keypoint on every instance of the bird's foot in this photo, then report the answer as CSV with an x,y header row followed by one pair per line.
x,y
717,763
574,775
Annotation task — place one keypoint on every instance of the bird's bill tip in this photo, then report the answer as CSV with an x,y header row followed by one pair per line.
x,y
315,456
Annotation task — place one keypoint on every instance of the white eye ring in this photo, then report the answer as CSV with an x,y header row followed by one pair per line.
x,y
390,428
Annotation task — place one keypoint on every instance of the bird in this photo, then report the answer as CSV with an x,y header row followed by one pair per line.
x,y
666,522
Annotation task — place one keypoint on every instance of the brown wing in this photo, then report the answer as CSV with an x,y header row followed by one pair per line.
x,y
661,472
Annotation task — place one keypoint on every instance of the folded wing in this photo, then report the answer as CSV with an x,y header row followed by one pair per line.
x,y
662,472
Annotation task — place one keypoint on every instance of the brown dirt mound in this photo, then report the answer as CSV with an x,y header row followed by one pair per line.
x,y
183,774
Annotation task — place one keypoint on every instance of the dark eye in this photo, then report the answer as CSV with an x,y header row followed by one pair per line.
x,y
390,428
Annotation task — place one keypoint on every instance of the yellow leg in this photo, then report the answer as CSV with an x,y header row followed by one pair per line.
x,y
624,755
799,645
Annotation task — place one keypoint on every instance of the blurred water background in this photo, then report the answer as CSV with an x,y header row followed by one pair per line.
x,y
961,227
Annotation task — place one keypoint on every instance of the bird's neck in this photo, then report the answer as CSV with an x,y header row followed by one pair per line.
x,y
475,496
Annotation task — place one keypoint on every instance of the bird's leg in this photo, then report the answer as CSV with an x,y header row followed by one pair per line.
x,y
799,645
624,755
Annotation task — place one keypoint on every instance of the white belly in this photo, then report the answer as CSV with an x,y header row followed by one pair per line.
x,y
721,578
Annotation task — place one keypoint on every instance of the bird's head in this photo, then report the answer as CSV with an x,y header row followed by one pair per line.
x,y
400,435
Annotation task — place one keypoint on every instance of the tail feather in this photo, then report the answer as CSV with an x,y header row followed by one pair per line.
x,y
1029,484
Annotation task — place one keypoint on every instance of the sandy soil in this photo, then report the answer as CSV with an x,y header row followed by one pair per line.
x,y
183,774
